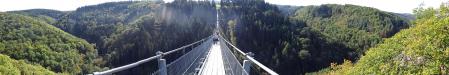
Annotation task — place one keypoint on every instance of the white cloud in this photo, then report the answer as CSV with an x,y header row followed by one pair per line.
x,y
398,6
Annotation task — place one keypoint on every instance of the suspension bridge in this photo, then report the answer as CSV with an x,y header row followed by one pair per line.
x,y
211,56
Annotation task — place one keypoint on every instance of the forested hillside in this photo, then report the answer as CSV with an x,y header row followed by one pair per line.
x,y
125,32
422,49
171,26
47,15
10,66
355,27
37,42
291,40
97,23
296,40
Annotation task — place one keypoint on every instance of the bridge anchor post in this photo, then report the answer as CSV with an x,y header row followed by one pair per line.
x,y
162,64
247,64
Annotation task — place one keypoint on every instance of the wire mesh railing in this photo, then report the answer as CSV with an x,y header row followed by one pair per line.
x,y
189,62
247,59
231,64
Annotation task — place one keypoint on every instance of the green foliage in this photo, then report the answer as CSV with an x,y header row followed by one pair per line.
x,y
124,32
356,27
46,15
128,31
422,49
164,29
10,66
340,69
308,38
297,39
38,42
100,23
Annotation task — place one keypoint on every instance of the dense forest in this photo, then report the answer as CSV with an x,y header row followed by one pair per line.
x,y
40,43
171,26
124,32
10,66
46,15
422,49
296,40
291,40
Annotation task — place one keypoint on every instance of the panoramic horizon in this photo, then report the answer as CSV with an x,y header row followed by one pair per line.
x,y
404,6
227,37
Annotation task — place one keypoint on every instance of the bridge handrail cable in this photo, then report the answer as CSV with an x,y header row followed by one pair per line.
x,y
271,72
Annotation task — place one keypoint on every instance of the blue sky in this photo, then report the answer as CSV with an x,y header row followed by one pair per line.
x,y
397,6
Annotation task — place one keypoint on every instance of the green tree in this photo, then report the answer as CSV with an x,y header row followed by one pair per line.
x,y
25,38
10,66
421,49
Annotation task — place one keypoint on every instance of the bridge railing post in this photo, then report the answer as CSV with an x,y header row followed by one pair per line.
x,y
184,51
193,46
162,64
247,64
